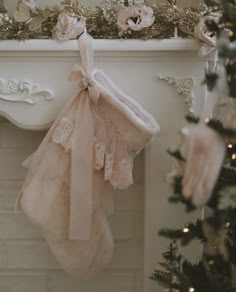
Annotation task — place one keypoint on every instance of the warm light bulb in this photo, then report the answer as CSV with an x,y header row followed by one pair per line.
x,y
228,24
234,156
230,146
186,230
207,120
191,289
227,224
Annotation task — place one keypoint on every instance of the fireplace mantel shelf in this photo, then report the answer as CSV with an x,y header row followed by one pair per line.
x,y
174,44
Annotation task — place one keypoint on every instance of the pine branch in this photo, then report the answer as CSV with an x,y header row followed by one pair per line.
x,y
176,154
192,119
215,271
187,234
216,125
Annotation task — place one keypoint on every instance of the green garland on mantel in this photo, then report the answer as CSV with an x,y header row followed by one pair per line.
x,y
32,22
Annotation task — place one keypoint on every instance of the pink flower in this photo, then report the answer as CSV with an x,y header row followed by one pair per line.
x,y
68,27
135,18
202,33
207,38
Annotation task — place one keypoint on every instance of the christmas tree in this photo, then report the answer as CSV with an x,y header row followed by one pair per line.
x,y
204,170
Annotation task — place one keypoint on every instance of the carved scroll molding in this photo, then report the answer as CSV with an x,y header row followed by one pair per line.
x,y
184,86
23,91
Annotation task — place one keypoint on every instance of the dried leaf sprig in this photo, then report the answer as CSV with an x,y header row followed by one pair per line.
x,y
39,23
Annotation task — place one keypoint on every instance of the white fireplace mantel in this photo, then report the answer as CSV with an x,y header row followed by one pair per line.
x,y
42,65
175,44
163,75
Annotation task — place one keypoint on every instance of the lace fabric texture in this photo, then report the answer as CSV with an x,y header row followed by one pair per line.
x,y
111,151
63,132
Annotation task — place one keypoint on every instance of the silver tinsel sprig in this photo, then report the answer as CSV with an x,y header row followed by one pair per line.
x,y
40,22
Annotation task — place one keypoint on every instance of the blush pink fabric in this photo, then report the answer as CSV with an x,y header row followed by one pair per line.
x,y
203,150
89,148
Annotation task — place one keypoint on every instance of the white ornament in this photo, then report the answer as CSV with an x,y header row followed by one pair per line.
x,y
203,150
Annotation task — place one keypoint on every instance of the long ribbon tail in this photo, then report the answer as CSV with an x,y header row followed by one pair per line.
x,y
210,98
81,195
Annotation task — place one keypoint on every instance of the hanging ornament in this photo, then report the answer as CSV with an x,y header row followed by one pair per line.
x,y
204,152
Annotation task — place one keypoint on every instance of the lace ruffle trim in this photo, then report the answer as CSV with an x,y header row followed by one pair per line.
x,y
111,152
63,132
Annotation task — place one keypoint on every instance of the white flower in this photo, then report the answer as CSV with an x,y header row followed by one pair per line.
x,y
68,27
135,18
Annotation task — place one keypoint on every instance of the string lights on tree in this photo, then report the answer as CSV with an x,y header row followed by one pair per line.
x,y
204,172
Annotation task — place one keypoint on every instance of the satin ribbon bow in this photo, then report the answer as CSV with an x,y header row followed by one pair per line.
x,y
81,196
86,82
